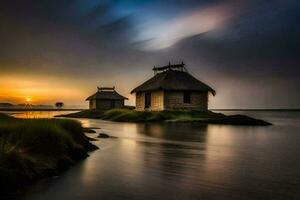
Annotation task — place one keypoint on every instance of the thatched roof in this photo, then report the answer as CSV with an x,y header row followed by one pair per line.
x,y
106,93
171,79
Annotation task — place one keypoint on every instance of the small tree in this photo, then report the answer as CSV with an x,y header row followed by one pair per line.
x,y
59,105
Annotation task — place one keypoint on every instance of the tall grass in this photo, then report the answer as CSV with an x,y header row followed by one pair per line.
x,y
144,116
126,115
207,117
33,148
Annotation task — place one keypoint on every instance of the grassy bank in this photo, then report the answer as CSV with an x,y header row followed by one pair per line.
x,y
34,148
126,115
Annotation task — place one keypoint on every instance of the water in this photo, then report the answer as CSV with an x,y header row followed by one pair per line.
x,y
185,161
36,114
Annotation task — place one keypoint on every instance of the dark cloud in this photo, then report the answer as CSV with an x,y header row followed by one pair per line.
x,y
256,55
49,35
255,43
258,48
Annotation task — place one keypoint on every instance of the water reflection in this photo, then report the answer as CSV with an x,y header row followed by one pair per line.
x,y
178,145
37,114
183,161
191,132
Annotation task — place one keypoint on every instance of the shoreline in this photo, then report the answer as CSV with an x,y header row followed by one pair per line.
x,y
40,109
33,149
205,117
258,109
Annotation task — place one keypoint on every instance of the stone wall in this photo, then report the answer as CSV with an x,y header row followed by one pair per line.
x,y
174,100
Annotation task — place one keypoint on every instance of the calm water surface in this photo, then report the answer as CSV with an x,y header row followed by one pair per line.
x,y
185,161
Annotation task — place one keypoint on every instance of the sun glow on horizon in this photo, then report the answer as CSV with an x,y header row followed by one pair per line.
x,y
18,89
28,99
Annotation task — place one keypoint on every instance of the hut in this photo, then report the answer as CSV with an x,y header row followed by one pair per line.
x,y
106,98
172,87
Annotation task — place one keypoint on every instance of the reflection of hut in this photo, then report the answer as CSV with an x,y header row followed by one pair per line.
x,y
106,98
172,87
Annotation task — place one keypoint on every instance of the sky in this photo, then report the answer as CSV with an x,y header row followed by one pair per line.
x,y
61,50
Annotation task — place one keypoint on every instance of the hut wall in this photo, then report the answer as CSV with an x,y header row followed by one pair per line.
x,y
174,100
157,101
105,104
140,101
92,104
119,103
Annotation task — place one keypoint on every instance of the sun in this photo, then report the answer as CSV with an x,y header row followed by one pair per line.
x,y
28,99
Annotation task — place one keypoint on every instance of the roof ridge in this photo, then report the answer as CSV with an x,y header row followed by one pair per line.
x,y
176,67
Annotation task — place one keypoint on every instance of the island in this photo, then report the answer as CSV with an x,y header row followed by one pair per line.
x,y
130,115
171,95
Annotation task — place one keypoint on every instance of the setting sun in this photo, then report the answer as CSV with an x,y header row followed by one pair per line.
x,y
28,99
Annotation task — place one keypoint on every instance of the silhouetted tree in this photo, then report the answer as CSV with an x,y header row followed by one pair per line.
x,y
59,104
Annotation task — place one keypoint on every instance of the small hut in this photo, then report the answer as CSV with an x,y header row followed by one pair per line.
x,y
172,87
106,98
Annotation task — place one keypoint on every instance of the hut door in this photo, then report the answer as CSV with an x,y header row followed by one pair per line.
x,y
112,104
147,99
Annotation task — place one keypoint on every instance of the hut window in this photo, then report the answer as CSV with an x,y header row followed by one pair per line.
x,y
186,97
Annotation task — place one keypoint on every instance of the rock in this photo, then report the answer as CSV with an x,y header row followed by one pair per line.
x,y
88,130
92,127
103,135
92,139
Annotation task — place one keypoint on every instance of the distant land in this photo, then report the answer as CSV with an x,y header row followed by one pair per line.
x,y
255,109
9,105
4,106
